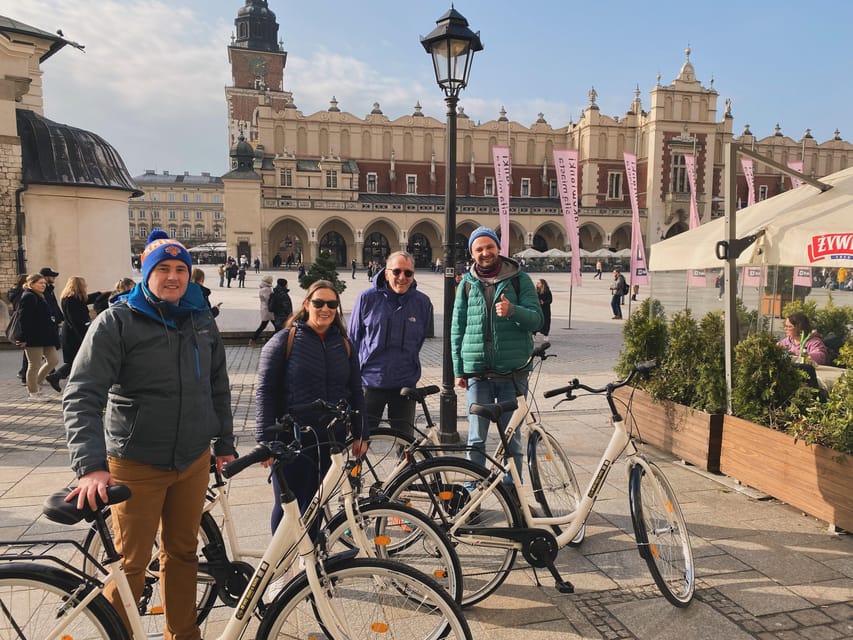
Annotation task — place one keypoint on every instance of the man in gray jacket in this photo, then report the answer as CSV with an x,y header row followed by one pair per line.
x,y
147,395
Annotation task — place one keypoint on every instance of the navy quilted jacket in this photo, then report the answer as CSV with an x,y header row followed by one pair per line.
x,y
316,368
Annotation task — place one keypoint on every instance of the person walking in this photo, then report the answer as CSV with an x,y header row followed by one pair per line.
x,y
388,325
197,276
38,334
354,267
123,285
231,272
545,300
15,293
617,290
597,270
257,264
280,304
495,313
221,271
75,300
241,276
264,293
310,359
147,396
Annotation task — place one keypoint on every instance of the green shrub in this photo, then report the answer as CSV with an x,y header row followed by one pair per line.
x,y
645,336
324,268
711,364
676,377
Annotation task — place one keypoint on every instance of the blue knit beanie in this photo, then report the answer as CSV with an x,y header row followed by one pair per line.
x,y
161,247
479,232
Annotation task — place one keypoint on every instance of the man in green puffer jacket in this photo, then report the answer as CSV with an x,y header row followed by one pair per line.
x,y
494,316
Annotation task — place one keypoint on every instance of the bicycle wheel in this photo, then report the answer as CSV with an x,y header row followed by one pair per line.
x,y
661,532
32,596
371,598
441,488
403,534
150,604
383,456
555,487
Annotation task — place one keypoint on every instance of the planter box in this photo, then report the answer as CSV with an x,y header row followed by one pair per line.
x,y
814,479
692,435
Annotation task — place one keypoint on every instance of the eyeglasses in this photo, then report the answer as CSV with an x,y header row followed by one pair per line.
x,y
407,272
318,303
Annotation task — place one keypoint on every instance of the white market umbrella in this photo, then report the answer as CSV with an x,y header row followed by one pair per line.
x,y
801,227
556,253
527,254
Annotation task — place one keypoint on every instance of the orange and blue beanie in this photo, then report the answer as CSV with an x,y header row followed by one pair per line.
x,y
161,247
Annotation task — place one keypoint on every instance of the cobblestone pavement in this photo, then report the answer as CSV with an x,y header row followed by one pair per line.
x,y
764,570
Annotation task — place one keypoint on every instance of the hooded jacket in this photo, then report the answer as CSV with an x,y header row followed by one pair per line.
x,y
480,340
264,292
388,331
149,384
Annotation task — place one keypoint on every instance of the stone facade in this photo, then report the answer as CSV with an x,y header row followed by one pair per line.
x,y
363,187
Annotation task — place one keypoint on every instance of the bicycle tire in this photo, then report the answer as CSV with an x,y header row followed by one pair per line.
x,y
382,457
374,598
150,605
661,532
405,535
32,595
555,487
484,567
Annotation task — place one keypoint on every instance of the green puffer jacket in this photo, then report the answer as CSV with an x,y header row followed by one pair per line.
x,y
481,340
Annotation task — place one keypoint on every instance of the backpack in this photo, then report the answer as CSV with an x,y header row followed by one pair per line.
x,y
625,288
516,284
272,302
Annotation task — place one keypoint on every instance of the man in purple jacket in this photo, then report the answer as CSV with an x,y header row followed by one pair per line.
x,y
387,327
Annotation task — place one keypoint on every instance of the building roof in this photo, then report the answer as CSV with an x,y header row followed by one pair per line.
x,y
59,154
11,26
461,201
165,178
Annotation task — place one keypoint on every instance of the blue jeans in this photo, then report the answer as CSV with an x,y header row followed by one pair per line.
x,y
484,392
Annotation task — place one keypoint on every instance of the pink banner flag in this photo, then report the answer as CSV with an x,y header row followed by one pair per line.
x,y
695,277
752,276
639,272
749,174
802,276
796,165
503,172
566,164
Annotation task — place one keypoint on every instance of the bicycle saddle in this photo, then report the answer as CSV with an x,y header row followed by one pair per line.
x,y
57,510
494,410
418,394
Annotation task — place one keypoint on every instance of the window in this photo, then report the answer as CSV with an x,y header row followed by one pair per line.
x,y
614,185
552,189
130,214
172,214
489,187
142,214
525,188
199,232
371,183
411,184
762,192
185,197
198,215
132,231
217,199
143,231
155,197
216,233
217,215
331,179
185,215
171,197
285,177
155,215
198,197
679,174
185,231
173,232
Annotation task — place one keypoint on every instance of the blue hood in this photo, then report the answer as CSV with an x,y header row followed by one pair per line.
x,y
142,300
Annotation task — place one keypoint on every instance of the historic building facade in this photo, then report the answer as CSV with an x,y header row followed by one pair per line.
x,y
188,207
362,187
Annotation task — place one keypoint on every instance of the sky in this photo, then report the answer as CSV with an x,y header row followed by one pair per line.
x,y
152,77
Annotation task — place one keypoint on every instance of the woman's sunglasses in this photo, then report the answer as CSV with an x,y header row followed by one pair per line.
x,y
318,303
407,272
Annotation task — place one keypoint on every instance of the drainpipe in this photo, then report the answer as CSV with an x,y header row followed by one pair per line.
x,y
19,224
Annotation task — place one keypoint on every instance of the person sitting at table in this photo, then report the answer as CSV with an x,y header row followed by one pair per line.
x,y
801,340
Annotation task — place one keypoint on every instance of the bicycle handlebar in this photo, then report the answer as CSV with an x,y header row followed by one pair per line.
x,y
639,368
258,454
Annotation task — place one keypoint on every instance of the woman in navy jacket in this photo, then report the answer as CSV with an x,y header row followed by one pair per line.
x,y
38,334
319,364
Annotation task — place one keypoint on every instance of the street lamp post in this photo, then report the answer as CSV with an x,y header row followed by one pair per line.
x,y
452,46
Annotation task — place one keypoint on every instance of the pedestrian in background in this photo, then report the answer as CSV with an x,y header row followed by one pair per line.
x,y
75,300
280,304
197,276
545,300
147,396
388,325
618,289
221,271
264,293
15,294
257,265
354,267
241,277
38,334
597,270
123,285
495,313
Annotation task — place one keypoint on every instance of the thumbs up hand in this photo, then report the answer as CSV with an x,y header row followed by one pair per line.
x,y
504,307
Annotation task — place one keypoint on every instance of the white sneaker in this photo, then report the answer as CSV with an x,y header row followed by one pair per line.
x,y
37,397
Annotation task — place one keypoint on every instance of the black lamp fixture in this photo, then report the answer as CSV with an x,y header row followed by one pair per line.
x,y
452,46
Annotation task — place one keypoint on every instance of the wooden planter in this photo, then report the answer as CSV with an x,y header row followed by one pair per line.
x,y
691,435
814,479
